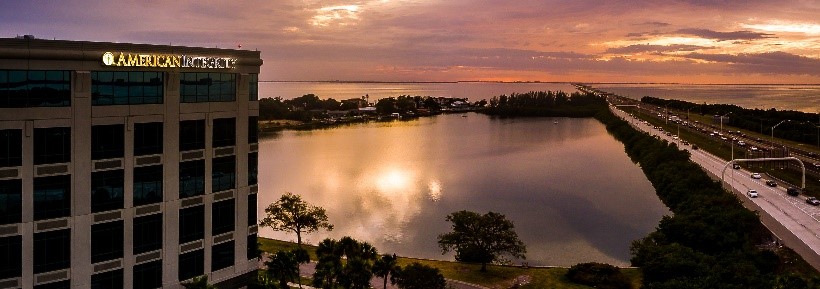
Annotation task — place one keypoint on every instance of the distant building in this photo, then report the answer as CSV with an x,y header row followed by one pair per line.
x,y
126,165
354,103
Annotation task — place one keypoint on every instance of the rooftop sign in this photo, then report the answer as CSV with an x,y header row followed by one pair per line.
x,y
167,60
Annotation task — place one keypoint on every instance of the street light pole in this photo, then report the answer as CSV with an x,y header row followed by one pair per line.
x,y
721,121
779,123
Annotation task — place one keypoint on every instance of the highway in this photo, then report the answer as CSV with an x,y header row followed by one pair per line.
x,y
793,221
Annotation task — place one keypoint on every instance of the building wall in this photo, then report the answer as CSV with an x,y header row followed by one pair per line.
x,y
81,58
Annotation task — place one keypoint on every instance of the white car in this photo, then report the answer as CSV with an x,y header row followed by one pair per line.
x,y
752,193
756,176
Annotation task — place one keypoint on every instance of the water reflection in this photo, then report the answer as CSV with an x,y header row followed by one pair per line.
x,y
569,187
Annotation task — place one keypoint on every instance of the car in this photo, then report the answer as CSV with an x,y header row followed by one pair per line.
x,y
694,147
741,143
686,143
752,194
736,166
812,201
756,176
792,191
771,183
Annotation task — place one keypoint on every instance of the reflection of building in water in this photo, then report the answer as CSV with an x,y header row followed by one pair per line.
x,y
126,165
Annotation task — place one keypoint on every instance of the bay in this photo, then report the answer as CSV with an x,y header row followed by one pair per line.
x,y
568,185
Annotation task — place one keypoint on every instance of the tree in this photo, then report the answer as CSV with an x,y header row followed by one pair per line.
x,y
386,266
200,282
481,238
290,213
283,267
354,273
418,276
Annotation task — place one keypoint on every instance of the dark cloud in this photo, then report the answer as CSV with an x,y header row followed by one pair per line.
x,y
642,48
723,36
654,24
765,63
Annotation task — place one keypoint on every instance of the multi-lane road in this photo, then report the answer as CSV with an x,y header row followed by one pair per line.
x,y
794,222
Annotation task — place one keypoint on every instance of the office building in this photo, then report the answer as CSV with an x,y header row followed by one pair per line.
x,y
126,165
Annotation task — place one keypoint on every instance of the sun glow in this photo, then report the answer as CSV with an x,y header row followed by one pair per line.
x,y
393,181
787,27
343,15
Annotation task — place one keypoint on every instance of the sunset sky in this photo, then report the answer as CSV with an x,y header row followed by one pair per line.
x,y
689,41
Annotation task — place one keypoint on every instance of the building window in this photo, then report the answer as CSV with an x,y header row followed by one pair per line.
x,y
11,147
253,168
253,129
147,233
147,185
148,138
107,280
52,197
224,132
148,275
192,135
207,87
11,252
222,216
65,284
35,88
126,87
251,209
253,86
191,264
106,241
52,250
191,224
252,250
11,202
52,145
107,190
223,173
222,255
107,141
191,178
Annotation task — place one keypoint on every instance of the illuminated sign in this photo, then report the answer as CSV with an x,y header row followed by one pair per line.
x,y
167,60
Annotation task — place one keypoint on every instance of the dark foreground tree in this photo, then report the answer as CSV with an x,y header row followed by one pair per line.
x,y
385,267
598,275
291,214
418,276
347,263
481,238
200,282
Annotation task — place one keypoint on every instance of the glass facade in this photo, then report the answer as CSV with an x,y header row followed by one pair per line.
x,y
107,280
222,255
148,275
253,168
106,241
223,175
107,190
147,185
11,252
253,129
52,197
126,87
107,141
11,201
191,224
52,250
252,209
252,251
11,147
191,264
207,87
148,138
253,86
147,233
35,88
191,178
224,132
52,145
223,214
191,135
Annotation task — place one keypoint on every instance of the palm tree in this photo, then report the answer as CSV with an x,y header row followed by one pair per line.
x,y
385,266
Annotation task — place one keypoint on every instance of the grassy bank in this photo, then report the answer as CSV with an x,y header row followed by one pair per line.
x,y
496,277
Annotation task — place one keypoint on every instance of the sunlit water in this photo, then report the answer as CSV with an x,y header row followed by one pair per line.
x,y
569,187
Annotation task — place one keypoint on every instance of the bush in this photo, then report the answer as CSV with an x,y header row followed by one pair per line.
x,y
598,275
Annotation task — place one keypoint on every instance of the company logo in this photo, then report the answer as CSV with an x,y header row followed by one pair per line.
x,y
167,61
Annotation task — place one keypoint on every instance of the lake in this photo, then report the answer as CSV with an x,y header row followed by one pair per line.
x,y
569,187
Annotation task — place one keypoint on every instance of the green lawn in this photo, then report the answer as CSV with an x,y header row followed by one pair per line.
x,y
495,277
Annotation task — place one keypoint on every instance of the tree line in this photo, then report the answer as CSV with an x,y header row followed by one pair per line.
x,y
800,127
544,103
